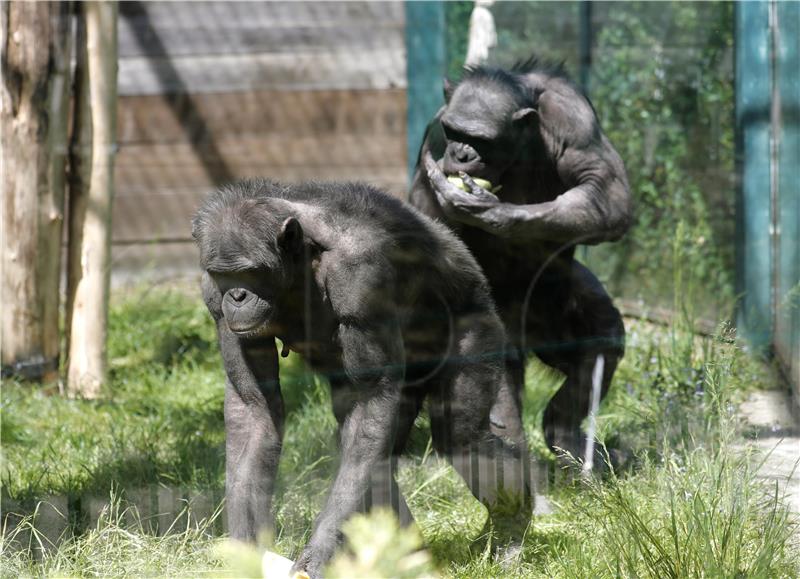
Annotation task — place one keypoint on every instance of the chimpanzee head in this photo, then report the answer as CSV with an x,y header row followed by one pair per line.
x,y
486,123
248,251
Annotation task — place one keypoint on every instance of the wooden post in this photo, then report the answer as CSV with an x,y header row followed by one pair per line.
x,y
35,45
90,222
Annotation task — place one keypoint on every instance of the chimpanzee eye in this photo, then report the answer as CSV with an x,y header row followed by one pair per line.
x,y
458,136
477,143
226,280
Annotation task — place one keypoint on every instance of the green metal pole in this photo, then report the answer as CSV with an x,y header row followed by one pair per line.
x,y
753,154
425,69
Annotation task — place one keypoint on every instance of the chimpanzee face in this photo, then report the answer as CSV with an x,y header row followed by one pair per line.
x,y
248,300
483,126
246,288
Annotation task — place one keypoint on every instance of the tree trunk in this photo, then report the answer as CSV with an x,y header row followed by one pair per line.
x,y
90,218
35,45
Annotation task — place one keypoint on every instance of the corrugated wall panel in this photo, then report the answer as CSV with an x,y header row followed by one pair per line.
x,y
216,91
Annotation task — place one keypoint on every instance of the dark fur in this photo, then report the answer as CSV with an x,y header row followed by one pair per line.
x,y
385,302
562,184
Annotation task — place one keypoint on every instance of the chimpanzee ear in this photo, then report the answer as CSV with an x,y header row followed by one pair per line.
x,y
290,239
196,229
448,89
524,116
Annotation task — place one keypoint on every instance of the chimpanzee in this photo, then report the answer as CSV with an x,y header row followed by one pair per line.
x,y
550,180
385,302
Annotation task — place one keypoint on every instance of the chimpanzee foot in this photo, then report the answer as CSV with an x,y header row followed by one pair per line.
x,y
307,566
508,556
509,516
505,549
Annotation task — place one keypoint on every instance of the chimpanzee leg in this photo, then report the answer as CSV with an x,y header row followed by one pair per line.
x,y
372,355
496,468
383,482
383,489
596,336
506,415
253,432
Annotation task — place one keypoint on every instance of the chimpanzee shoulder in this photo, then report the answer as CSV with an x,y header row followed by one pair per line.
x,y
558,98
370,228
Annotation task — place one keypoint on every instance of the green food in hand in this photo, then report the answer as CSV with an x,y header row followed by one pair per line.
x,y
482,183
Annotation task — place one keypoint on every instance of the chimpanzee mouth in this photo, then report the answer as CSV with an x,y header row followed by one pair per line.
x,y
258,330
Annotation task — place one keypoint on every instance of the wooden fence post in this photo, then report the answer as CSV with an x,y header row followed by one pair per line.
x,y
35,45
90,222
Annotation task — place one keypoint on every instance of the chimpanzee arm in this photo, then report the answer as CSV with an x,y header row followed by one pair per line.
x,y
253,431
596,208
421,194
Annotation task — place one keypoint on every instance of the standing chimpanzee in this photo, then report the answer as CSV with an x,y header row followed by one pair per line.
x,y
386,303
550,180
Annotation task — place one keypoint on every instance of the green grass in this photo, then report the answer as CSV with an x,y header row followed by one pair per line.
x,y
119,545
684,503
160,418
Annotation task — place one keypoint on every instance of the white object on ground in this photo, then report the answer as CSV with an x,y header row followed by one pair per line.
x,y
274,566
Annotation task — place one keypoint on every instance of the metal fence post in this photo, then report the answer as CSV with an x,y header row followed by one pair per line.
x,y
425,69
753,156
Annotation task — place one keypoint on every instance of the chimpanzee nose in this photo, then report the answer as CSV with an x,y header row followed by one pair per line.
x,y
462,155
238,294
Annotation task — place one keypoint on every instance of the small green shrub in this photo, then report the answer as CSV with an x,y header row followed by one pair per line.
x,y
376,546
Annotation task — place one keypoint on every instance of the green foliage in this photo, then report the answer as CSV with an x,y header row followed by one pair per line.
x,y
447,514
239,560
545,29
149,327
665,97
378,547
679,388
457,15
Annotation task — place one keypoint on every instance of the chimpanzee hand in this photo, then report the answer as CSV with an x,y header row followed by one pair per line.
x,y
474,207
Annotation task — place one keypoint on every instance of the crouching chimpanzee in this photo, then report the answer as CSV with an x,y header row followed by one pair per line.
x,y
386,303
550,180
